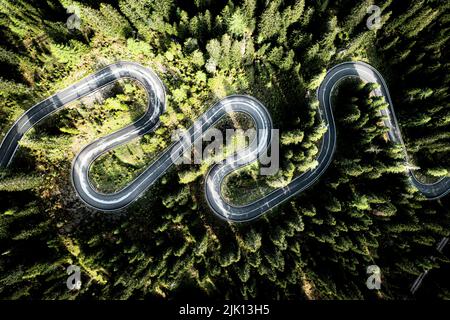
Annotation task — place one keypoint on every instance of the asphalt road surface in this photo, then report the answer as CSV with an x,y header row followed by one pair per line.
x,y
238,103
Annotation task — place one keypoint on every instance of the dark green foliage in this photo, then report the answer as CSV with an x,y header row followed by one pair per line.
x,y
318,245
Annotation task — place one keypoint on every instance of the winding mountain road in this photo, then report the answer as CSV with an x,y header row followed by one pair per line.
x,y
214,179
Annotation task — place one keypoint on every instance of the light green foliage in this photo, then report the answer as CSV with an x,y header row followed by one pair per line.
x,y
362,211
20,183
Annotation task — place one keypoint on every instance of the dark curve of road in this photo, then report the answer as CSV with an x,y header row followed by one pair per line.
x,y
237,103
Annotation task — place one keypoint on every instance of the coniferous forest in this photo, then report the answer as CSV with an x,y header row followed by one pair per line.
x,y
168,244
